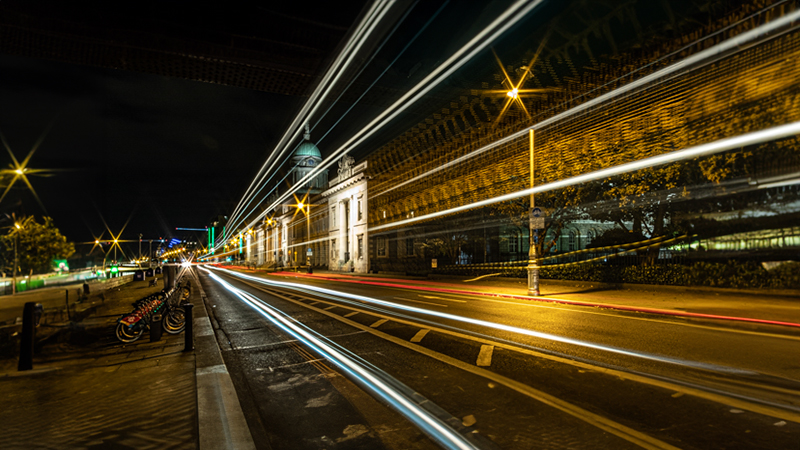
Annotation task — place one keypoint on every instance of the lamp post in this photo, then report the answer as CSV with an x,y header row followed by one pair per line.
x,y
533,254
16,238
308,234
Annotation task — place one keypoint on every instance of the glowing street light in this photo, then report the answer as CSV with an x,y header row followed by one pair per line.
x,y
301,207
21,171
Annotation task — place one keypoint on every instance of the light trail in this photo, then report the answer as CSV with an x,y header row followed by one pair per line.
x,y
340,65
708,149
510,17
410,97
360,301
380,383
694,62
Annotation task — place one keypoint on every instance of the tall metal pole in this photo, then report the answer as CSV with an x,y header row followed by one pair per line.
x,y
14,281
308,239
140,246
533,254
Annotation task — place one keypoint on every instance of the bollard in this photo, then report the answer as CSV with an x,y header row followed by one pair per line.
x,y
27,338
172,276
189,345
155,328
67,301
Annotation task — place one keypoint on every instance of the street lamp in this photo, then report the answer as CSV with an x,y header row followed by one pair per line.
x,y
16,238
301,206
533,254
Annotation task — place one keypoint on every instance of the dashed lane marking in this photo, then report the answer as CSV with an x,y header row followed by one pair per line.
x,y
759,408
351,314
378,323
420,301
442,298
329,307
420,334
485,356
631,435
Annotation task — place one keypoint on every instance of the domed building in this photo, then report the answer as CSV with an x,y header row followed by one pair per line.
x,y
305,159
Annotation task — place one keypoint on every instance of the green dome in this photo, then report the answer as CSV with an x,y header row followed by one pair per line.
x,y
308,149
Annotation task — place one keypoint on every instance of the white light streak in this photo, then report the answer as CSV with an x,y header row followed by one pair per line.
x,y
367,375
360,300
510,17
711,148
693,62
340,65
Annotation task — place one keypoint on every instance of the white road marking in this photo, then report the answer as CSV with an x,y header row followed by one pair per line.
x,y
442,298
420,334
351,314
606,424
420,301
485,356
767,410
378,323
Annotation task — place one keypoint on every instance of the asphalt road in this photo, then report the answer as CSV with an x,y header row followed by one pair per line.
x,y
562,377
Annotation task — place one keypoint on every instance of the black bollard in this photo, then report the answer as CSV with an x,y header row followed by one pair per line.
x,y
155,328
67,301
27,338
189,345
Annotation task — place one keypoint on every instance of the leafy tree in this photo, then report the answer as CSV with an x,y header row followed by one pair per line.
x,y
37,246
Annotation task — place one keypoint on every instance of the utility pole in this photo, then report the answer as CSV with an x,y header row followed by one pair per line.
x,y
140,246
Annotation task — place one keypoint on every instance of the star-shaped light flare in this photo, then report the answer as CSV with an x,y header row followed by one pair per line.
x,y
515,91
20,170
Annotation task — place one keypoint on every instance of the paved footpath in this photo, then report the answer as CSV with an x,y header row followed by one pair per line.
x,y
93,392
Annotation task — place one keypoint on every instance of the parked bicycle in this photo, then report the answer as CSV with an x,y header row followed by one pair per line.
x,y
168,304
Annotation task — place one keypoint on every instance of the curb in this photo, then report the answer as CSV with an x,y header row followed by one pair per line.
x,y
220,419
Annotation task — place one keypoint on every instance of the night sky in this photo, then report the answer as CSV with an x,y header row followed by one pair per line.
x,y
163,152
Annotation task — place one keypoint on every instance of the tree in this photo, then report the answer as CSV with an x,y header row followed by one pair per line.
x,y
37,246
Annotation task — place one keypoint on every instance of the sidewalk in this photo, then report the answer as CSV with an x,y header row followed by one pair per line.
x,y
94,392
54,299
736,307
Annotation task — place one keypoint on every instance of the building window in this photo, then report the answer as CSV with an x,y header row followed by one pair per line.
x,y
572,241
360,245
333,217
381,244
513,243
384,213
410,246
333,249
359,210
